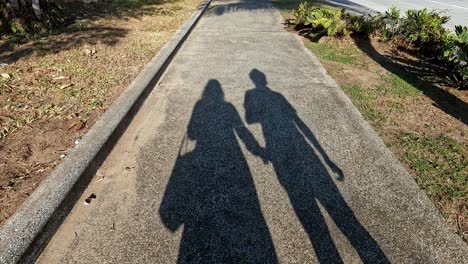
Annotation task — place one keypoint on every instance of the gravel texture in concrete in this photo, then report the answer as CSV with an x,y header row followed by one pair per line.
x,y
247,151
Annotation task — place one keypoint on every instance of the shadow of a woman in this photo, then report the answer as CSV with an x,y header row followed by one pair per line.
x,y
211,191
304,176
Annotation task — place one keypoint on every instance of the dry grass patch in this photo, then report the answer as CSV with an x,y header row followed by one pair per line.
x,y
54,87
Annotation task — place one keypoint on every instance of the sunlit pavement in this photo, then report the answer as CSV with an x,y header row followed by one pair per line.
x,y
246,151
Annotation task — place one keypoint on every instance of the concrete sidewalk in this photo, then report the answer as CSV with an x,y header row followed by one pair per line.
x,y
247,151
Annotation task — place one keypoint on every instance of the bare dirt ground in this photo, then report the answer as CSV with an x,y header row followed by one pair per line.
x,y
54,87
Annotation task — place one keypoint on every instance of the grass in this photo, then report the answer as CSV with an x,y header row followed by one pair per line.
x,y
331,52
365,101
431,143
437,161
396,86
440,166
55,69
57,83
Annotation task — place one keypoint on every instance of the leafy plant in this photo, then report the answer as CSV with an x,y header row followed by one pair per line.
x,y
361,24
388,23
326,21
456,53
423,28
300,13
322,21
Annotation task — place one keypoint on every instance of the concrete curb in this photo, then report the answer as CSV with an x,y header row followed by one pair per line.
x,y
22,237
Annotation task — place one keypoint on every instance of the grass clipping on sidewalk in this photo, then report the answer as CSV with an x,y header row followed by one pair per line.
x,y
54,86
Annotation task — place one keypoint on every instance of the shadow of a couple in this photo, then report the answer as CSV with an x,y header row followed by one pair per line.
x,y
211,191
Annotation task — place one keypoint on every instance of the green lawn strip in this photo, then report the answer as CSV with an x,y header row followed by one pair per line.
x,y
332,52
364,100
396,86
439,163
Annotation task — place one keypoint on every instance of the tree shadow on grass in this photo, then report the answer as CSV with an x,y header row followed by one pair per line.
x,y
122,9
110,36
81,29
417,75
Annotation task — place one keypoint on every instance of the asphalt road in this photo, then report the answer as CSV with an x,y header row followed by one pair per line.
x,y
456,9
246,151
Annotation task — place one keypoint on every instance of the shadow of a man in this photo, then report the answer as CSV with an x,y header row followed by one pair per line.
x,y
304,176
211,191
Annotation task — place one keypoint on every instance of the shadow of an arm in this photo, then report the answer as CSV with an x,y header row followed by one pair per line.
x,y
310,136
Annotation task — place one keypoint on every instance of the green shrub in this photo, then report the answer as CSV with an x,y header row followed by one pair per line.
x,y
461,45
456,53
361,24
300,13
388,23
424,29
326,21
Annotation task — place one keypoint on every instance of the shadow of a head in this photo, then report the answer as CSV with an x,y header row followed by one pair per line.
x,y
213,91
258,78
